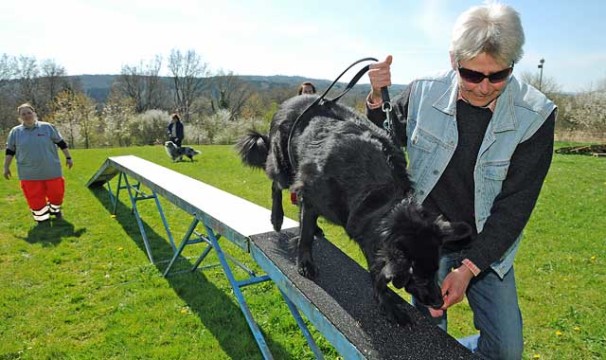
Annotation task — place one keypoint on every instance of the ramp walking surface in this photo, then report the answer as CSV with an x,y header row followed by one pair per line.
x,y
343,292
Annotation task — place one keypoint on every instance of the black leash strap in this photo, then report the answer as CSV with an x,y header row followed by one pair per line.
x,y
353,81
322,99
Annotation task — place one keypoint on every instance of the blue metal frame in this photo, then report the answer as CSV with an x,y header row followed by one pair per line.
x,y
295,300
214,228
306,333
135,194
212,241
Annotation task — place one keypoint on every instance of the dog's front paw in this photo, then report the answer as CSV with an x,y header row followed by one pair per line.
x,y
307,268
395,314
277,220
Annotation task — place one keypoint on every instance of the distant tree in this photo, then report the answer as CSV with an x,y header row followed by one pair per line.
x,y
27,75
118,113
53,78
142,84
586,112
52,81
213,124
8,100
149,127
188,75
199,111
230,93
8,68
546,84
75,114
601,86
255,106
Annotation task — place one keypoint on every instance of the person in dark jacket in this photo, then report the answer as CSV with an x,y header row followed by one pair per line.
x,y
480,143
175,129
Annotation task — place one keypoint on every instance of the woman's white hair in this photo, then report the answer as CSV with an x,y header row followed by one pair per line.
x,y
492,28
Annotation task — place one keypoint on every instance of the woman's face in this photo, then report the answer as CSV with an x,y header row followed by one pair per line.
x,y
27,115
307,89
484,92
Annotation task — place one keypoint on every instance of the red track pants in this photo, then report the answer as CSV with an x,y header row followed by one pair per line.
x,y
44,197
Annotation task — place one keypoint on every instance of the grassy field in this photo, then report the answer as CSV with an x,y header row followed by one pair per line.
x,y
84,289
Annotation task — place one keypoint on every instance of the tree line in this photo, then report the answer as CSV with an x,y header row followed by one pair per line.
x,y
215,107
140,101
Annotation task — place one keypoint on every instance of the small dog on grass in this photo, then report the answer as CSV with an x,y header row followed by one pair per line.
x,y
176,153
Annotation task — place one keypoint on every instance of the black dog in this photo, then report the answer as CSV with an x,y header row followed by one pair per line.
x,y
176,153
348,170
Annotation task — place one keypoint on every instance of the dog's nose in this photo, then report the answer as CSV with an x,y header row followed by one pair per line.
x,y
437,305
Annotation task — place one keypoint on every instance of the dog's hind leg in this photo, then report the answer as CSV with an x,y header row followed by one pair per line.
x,y
307,229
277,212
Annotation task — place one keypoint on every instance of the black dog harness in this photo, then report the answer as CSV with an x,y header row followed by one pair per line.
x,y
321,100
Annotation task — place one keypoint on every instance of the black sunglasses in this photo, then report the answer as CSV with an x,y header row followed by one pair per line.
x,y
477,77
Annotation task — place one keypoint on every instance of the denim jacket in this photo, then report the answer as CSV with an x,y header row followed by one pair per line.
x,y
432,139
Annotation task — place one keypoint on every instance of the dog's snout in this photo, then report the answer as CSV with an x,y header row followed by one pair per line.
x,y
426,291
438,304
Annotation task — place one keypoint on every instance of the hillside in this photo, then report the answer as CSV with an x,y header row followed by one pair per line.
x,y
98,86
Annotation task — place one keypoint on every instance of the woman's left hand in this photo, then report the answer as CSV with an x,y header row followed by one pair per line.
x,y
455,285
69,163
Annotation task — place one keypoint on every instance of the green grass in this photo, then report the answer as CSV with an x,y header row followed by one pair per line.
x,y
84,289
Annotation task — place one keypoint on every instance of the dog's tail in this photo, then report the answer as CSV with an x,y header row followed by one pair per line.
x,y
253,149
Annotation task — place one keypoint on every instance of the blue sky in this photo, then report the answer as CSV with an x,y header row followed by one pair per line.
x,y
315,39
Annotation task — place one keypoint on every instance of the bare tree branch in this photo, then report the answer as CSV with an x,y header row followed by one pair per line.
x,y
188,73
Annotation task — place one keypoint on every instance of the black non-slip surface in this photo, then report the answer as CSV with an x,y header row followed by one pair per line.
x,y
343,293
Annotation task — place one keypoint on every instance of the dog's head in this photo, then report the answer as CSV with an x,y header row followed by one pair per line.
x,y
410,253
170,145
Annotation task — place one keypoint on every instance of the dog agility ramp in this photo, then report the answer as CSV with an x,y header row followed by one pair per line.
x,y
339,303
215,207
341,298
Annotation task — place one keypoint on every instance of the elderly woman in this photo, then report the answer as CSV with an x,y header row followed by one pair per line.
x,y
480,143
34,143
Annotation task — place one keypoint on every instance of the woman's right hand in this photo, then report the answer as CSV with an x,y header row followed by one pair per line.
x,y
379,74
7,174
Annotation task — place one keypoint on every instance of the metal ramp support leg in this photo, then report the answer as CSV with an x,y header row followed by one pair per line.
x,y
135,194
239,296
186,241
304,329
212,240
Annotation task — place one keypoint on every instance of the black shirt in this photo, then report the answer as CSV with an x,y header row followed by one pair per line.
x,y
453,195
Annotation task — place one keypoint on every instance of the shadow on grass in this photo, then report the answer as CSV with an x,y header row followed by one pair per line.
x,y
51,232
212,305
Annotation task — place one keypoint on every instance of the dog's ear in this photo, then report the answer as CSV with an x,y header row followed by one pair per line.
x,y
452,231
